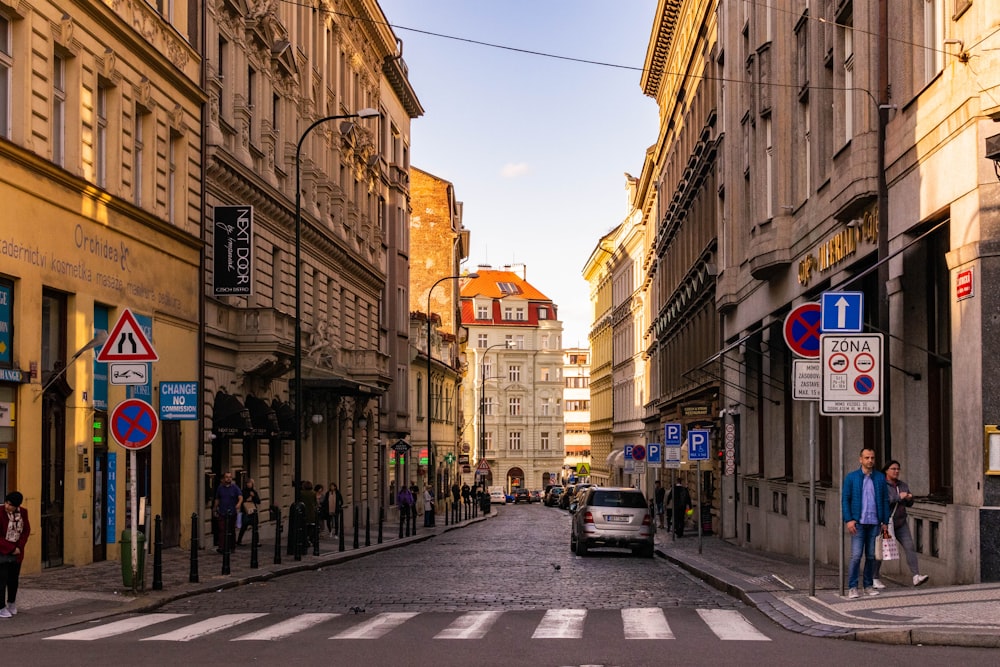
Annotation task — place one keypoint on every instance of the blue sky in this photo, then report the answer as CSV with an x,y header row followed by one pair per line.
x,y
536,147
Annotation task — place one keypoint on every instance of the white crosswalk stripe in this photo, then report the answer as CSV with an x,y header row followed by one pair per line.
x,y
561,624
729,625
203,628
473,625
287,628
118,627
376,627
645,623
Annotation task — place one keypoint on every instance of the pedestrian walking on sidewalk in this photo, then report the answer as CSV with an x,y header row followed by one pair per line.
x,y
322,509
659,495
308,498
251,503
865,506
681,499
14,532
228,498
428,507
406,505
899,499
334,508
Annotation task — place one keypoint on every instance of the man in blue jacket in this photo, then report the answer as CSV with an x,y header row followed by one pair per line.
x,y
865,501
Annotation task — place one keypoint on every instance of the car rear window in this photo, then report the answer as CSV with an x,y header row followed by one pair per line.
x,y
632,499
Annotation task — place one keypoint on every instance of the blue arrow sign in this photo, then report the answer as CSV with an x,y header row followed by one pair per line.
x,y
672,435
843,312
653,452
697,445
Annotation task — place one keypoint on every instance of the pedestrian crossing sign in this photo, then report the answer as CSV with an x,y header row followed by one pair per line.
x,y
582,468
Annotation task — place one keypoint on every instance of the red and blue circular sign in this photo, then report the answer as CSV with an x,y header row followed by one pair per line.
x,y
638,453
803,327
134,424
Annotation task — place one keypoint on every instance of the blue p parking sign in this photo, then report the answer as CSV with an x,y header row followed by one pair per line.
x,y
697,445
653,452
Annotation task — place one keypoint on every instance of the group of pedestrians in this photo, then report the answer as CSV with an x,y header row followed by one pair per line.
x,y
871,499
673,506
412,502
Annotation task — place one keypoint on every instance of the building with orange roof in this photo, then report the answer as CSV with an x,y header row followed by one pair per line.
x,y
514,404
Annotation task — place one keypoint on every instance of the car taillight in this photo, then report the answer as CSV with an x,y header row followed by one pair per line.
x,y
588,517
647,520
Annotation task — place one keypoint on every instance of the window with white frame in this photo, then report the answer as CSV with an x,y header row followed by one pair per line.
x,y
546,407
514,441
543,373
6,74
545,341
488,440
508,341
482,311
59,110
514,373
514,406
519,313
488,406
543,313
487,369
482,341
935,20
519,342
543,440
508,312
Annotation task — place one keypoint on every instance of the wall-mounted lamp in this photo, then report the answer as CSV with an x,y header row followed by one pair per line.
x,y
317,419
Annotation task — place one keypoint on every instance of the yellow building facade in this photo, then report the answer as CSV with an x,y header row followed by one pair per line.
x,y
100,184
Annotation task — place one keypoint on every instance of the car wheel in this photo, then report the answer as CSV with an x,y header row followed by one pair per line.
x,y
581,548
572,543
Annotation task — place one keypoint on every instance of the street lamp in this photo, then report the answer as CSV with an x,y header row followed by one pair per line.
x,y
482,403
297,362
430,445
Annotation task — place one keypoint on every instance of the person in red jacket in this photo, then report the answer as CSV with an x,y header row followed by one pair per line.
x,y
14,531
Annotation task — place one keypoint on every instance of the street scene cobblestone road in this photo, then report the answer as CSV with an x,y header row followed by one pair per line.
x,y
518,560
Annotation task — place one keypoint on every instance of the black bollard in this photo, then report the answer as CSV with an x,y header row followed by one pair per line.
x,y
315,536
381,518
254,564
157,554
340,530
413,518
225,542
357,526
403,519
276,511
291,530
447,512
193,574
368,526
299,515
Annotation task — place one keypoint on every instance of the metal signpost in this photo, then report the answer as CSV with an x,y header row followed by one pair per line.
x,y
698,452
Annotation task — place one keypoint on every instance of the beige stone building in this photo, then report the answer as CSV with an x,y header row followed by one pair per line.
x,y
286,85
514,395
576,412
99,178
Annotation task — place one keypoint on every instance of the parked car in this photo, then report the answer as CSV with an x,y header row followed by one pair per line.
x,y
566,497
577,493
497,496
616,517
522,496
552,496
537,495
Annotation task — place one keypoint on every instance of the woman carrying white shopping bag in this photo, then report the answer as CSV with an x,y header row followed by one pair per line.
x,y
899,499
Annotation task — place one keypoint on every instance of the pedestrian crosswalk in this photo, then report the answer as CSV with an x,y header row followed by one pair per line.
x,y
646,623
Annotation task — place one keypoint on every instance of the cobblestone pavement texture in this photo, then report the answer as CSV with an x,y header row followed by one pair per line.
x,y
518,558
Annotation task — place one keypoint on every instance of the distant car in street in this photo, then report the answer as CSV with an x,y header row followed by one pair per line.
x,y
536,496
566,497
616,517
552,497
497,496
522,496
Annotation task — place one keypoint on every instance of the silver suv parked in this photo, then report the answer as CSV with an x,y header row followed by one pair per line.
x,y
612,517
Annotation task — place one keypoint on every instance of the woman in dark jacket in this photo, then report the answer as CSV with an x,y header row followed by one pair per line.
x,y
249,509
899,499
14,532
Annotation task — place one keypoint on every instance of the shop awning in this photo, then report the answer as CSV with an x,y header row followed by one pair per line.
x,y
229,416
286,419
263,417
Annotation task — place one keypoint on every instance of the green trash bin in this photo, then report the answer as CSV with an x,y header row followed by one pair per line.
x,y
126,558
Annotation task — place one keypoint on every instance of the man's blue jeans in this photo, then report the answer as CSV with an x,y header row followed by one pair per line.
x,y
863,540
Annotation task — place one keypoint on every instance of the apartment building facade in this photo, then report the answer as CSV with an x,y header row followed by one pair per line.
x,y
100,142
514,396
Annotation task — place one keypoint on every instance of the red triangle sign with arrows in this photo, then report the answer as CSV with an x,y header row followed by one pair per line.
x,y
126,342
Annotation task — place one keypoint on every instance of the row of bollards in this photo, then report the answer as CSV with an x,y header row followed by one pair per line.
x,y
301,535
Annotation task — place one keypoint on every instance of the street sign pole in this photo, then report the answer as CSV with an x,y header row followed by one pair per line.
x,y
812,498
697,517
134,527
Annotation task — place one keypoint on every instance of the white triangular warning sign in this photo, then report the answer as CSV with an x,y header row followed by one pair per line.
x,y
126,342
483,466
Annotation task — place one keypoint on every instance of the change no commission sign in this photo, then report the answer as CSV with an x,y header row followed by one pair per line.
x,y
852,374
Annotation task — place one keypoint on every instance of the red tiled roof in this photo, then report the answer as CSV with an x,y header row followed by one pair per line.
x,y
488,285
